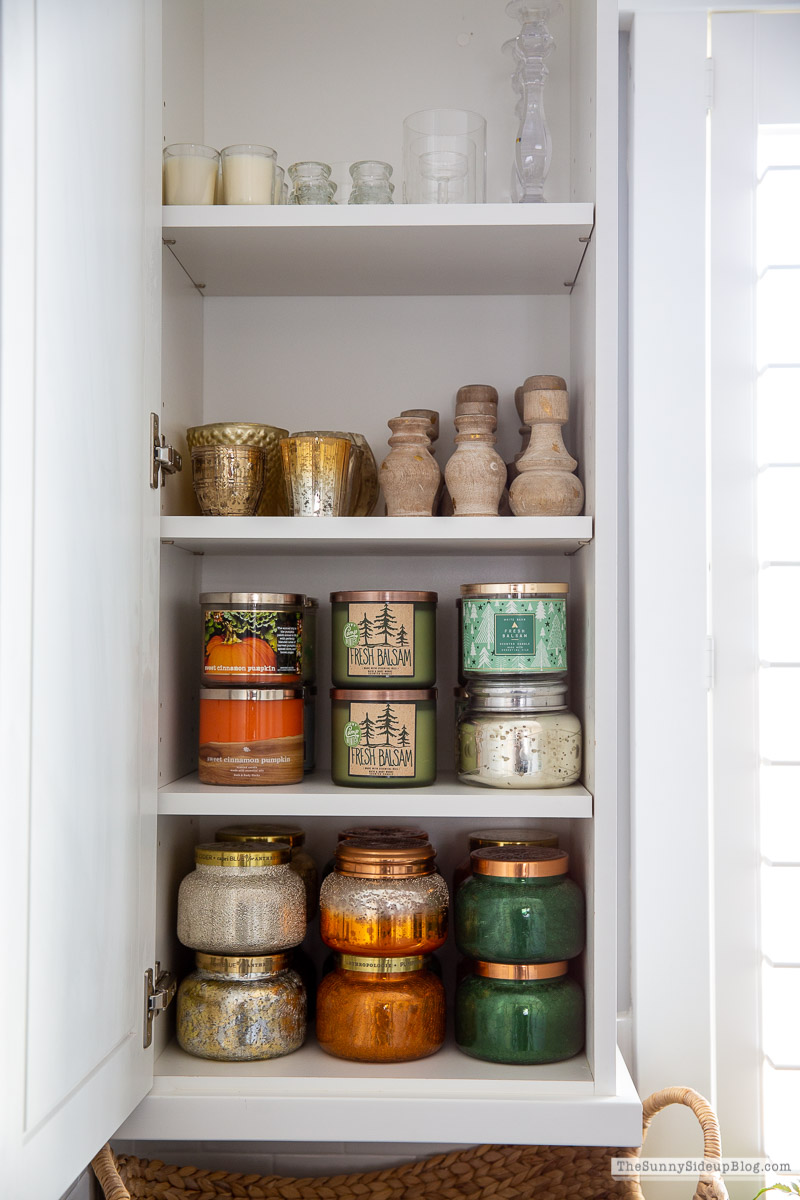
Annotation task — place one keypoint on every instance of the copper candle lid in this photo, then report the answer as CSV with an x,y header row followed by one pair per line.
x,y
381,696
512,837
293,835
520,970
242,966
515,589
519,862
398,833
384,597
251,854
384,857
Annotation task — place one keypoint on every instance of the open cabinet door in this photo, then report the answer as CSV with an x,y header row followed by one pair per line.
x,y
78,575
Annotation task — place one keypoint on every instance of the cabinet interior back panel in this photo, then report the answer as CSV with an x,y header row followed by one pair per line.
x,y
334,82
353,362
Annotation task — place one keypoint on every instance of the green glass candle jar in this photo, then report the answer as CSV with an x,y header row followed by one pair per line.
x,y
383,739
383,637
523,1015
520,906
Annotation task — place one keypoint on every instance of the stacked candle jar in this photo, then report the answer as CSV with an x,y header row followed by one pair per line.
x,y
253,677
242,910
383,712
519,918
514,728
383,910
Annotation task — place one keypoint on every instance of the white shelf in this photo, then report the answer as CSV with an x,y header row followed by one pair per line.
x,y
318,796
380,250
378,535
448,1097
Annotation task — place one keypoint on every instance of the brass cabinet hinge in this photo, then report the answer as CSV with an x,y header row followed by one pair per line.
x,y
159,991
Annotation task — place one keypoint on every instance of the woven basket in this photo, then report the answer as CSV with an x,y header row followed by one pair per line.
x,y
480,1173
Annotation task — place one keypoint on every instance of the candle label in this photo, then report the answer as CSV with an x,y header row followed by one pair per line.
x,y
527,637
252,643
381,740
379,640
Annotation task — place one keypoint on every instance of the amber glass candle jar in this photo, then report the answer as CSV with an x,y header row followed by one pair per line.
x,y
384,898
380,1010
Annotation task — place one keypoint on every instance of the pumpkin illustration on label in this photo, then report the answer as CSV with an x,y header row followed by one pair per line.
x,y
252,646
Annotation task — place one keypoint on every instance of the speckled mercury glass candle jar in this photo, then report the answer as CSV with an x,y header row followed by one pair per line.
x,y
383,637
237,1009
384,898
380,1009
383,739
242,900
512,630
520,906
520,1014
518,734
294,837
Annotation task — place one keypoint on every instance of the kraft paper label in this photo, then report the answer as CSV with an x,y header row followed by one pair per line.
x,y
379,640
502,637
381,739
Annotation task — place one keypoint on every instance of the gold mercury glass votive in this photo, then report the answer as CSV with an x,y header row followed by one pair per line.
x,y
228,480
318,476
261,437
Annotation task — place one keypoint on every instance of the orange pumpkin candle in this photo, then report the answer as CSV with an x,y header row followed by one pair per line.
x,y
384,898
380,1010
252,639
251,736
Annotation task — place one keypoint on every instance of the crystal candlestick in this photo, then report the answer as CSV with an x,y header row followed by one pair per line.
x,y
533,46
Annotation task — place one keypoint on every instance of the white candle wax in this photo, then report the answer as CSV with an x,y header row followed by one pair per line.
x,y
247,179
189,179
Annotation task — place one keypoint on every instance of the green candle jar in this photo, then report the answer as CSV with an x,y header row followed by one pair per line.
x,y
522,1015
519,906
383,636
512,630
383,739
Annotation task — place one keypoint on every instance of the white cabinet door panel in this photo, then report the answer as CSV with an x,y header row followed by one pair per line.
x,y
78,577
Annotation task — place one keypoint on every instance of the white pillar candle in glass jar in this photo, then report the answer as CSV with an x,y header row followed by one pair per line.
x,y
190,173
248,174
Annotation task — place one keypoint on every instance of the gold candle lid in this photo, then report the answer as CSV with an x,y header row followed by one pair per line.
x,y
242,966
380,965
384,857
514,589
234,854
520,970
293,835
512,837
519,862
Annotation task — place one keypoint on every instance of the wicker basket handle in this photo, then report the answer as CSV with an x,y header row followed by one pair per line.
x,y
105,1168
710,1187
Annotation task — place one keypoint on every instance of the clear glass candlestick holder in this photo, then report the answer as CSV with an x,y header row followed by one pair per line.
x,y
444,157
532,47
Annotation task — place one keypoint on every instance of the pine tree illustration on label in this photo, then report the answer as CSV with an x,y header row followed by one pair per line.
x,y
385,640
386,736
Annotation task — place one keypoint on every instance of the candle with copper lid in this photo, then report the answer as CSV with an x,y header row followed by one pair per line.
x,y
501,837
520,906
384,898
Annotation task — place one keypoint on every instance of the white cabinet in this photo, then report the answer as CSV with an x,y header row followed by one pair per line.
x,y
333,318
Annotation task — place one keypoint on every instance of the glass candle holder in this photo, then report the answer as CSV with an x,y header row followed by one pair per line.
x,y
317,474
278,194
248,174
444,157
311,183
371,183
190,173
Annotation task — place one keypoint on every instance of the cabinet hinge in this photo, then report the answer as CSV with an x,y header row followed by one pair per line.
x,y
709,663
709,84
166,460
159,991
